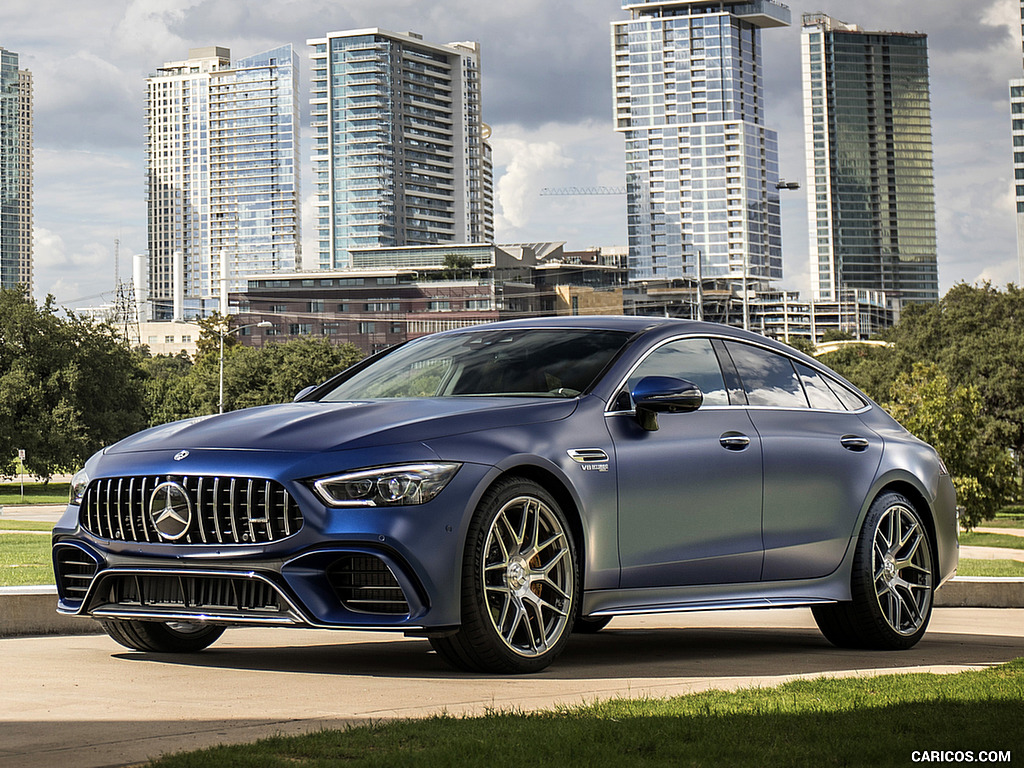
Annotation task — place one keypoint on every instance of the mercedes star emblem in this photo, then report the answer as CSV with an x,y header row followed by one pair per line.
x,y
170,511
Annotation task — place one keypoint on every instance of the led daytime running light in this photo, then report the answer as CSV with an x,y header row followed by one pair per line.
x,y
399,485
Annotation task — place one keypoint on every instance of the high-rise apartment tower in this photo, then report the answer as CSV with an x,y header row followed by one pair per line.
x,y
223,174
870,180
15,173
1017,116
400,149
701,167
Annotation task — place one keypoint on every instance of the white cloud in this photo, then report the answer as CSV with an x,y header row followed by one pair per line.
x,y
547,91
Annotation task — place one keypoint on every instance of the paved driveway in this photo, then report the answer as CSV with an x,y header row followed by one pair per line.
x,y
84,701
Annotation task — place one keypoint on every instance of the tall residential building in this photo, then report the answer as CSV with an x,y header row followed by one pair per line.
x,y
870,180
1017,116
701,167
15,173
223,175
400,149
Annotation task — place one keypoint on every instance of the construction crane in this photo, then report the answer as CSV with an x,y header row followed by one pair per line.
x,y
583,191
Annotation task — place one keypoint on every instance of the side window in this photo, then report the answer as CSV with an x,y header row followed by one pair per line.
x,y
818,392
768,379
690,359
851,399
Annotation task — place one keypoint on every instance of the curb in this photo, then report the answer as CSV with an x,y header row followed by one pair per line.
x,y
27,611
981,592
32,611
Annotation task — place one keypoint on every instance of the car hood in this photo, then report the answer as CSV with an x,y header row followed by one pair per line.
x,y
313,427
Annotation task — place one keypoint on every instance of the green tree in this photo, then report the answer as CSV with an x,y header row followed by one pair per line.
x,y
456,266
168,388
951,418
264,375
67,386
974,335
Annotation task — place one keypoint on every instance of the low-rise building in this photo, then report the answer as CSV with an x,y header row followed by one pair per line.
x,y
391,295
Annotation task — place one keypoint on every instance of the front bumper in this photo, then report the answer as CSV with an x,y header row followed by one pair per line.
x,y
327,588
393,568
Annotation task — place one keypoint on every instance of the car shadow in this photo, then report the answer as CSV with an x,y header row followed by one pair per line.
x,y
616,654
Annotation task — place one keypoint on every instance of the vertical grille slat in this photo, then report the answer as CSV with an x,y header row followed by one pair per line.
x,y
131,508
213,509
225,510
119,508
232,506
199,509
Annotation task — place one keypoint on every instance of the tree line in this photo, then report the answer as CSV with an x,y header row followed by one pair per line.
x,y
70,386
952,373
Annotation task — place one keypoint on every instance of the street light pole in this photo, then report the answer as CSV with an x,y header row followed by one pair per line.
x,y
222,334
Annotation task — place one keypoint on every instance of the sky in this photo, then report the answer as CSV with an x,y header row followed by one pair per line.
x,y
547,93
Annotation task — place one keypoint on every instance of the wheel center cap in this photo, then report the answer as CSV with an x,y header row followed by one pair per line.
x,y
889,569
518,574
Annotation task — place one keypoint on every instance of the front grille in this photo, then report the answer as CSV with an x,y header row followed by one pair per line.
x,y
224,510
365,584
183,593
74,571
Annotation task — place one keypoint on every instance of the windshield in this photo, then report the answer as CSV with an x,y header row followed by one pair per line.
x,y
509,363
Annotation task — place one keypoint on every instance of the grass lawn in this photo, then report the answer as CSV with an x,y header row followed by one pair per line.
x,y
25,560
24,525
1007,541
990,568
35,493
877,721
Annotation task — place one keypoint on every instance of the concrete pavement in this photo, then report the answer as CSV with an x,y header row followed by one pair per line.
x,y
85,702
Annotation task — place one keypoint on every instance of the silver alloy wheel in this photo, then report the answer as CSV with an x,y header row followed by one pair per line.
x,y
901,564
528,576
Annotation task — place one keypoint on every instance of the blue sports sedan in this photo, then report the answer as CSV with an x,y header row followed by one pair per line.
x,y
499,487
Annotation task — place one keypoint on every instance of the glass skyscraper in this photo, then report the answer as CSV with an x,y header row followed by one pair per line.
x,y
870,178
400,150
701,167
223,173
15,173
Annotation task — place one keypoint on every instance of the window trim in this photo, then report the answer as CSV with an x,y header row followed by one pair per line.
x,y
732,376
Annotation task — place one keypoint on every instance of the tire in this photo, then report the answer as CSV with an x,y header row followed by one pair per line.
x,y
892,584
520,583
584,626
161,636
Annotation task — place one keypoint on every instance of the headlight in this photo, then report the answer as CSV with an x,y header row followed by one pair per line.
x,y
78,485
394,486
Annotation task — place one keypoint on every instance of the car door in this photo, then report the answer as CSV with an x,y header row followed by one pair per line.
x,y
819,458
690,492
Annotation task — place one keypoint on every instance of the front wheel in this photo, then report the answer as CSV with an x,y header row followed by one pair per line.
x,y
520,585
163,636
892,583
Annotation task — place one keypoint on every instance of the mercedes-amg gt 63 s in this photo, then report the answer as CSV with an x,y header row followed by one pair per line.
x,y
497,488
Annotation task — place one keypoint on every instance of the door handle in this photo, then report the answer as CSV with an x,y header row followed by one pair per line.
x,y
734,441
854,443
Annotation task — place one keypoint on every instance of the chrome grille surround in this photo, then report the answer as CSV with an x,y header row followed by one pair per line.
x,y
226,510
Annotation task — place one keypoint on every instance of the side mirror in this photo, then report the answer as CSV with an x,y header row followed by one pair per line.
x,y
663,394
303,392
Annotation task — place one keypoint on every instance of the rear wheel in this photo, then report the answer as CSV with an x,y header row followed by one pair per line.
x,y
519,583
163,636
892,584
